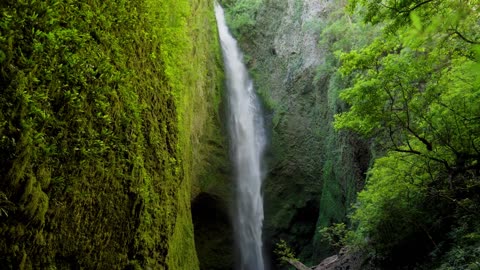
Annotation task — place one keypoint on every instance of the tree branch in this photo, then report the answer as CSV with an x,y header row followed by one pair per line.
x,y
399,10
416,6
455,31
415,152
423,140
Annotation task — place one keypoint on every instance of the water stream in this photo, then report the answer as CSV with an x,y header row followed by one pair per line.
x,y
247,136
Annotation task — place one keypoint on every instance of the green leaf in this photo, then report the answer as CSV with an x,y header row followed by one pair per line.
x,y
416,20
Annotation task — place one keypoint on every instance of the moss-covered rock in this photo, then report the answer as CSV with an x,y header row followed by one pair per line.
x,y
101,107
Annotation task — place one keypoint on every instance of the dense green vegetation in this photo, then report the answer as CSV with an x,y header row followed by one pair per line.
x,y
415,89
404,75
103,108
110,123
241,15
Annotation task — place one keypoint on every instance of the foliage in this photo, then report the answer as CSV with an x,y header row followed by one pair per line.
x,y
341,32
416,89
336,235
416,96
241,16
96,114
445,17
464,254
284,252
389,209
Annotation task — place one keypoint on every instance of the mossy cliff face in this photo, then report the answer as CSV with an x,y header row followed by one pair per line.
x,y
313,171
103,106
283,61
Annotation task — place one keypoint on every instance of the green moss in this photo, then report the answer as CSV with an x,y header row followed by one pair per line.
x,y
100,110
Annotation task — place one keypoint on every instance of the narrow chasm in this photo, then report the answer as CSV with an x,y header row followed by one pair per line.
x,y
213,232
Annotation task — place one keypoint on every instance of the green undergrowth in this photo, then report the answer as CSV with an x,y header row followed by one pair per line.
x,y
101,107
241,16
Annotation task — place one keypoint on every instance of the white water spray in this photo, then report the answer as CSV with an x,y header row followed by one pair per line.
x,y
248,142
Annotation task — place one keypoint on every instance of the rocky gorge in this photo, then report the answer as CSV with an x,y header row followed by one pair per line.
x,y
119,148
314,172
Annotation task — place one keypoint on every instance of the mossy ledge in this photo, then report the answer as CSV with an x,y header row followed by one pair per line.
x,y
103,105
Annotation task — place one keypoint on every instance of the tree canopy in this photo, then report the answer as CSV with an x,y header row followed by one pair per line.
x,y
416,89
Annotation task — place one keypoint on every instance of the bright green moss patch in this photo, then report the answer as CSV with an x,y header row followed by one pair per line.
x,y
100,105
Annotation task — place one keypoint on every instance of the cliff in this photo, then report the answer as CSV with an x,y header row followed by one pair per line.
x,y
314,171
106,108
395,74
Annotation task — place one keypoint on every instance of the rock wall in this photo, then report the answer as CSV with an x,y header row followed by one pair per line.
x,y
313,171
283,60
106,108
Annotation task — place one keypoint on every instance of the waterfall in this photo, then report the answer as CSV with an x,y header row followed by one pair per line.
x,y
247,136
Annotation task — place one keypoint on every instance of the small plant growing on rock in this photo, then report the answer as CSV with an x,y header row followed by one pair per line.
x,y
284,252
336,235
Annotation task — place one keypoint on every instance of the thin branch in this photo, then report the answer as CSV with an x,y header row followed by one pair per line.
x,y
455,31
456,202
407,110
412,151
399,10
423,140
390,133
412,8
418,225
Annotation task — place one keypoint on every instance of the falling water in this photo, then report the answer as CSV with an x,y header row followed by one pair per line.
x,y
248,141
